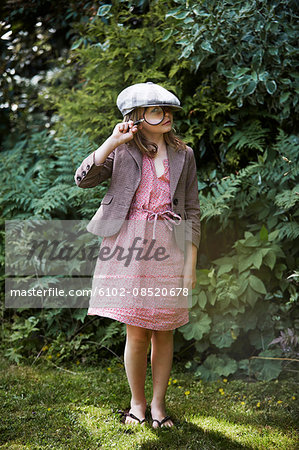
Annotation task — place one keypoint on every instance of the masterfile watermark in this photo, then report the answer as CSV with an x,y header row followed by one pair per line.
x,y
61,264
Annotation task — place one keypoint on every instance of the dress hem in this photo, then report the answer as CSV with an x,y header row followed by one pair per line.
x,y
127,321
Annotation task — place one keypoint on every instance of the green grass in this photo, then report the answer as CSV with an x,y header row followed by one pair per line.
x,y
44,407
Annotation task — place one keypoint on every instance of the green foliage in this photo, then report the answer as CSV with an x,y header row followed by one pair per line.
x,y
256,191
35,38
245,297
248,49
38,182
215,367
38,178
232,64
266,369
116,55
57,335
251,135
211,54
232,299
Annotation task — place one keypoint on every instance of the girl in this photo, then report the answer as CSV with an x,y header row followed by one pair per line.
x,y
154,181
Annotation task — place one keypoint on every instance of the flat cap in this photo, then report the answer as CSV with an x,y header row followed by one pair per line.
x,y
145,94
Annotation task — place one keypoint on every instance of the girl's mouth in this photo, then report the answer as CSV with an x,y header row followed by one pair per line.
x,y
167,123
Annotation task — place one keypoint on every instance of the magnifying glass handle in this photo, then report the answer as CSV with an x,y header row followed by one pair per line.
x,y
138,122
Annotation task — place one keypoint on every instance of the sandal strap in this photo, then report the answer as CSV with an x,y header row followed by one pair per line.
x,y
165,419
126,413
160,423
134,417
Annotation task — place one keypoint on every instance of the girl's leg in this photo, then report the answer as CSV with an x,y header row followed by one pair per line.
x,y
137,343
161,359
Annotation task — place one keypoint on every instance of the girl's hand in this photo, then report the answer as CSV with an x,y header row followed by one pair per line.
x,y
189,280
124,132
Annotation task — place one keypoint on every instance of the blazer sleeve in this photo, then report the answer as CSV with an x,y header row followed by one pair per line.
x,y
89,174
192,206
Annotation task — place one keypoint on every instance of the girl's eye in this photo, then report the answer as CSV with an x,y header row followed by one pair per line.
x,y
157,110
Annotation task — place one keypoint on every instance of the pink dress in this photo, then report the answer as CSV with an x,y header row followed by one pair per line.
x,y
150,217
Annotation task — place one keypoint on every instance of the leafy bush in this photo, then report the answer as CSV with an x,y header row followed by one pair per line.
x,y
248,50
38,182
233,66
246,296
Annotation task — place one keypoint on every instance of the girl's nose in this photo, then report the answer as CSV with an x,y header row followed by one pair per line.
x,y
167,110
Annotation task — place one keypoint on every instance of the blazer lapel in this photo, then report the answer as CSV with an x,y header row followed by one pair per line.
x,y
176,161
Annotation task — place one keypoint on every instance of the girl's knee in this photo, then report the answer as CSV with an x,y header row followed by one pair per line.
x,y
138,335
162,335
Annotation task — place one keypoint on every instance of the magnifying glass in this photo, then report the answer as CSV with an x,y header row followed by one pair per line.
x,y
153,115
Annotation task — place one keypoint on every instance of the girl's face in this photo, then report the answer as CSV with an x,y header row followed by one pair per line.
x,y
158,120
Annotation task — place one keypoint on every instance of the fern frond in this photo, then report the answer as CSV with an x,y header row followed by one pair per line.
x,y
288,198
252,136
289,230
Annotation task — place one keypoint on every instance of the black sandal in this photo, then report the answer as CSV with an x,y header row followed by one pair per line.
x,y
124,414
160,422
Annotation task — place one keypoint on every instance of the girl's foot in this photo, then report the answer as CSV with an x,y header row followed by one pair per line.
x,y
139,412
158,414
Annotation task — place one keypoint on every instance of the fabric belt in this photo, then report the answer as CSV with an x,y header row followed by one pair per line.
x,y
168,217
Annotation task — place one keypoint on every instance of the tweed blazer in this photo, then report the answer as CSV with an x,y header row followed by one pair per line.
x,y
124,166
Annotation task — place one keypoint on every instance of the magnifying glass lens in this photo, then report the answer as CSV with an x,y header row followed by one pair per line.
x,y
154,115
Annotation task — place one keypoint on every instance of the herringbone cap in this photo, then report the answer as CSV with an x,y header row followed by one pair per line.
x,y
145,94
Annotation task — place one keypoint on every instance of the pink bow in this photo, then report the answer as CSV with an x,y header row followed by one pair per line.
x,y
166,218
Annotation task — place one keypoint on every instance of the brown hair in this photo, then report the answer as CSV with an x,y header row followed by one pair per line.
x,y
147,147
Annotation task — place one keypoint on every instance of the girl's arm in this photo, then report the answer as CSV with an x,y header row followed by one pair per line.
x,y
190,261
192,209
97,167
192,206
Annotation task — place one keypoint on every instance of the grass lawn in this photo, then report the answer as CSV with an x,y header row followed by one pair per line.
x,y
44,407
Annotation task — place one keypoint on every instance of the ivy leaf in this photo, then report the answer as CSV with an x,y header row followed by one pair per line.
x,y
182,15
216,366
202,299
271,86
284,96
257,284
250,88
273,235
225,268
196,330
244,263
251,296
206,45
264,234
257,259
270,260
223,333
177,14
201,185
77,44
266,369
104,10
168,32
187,51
